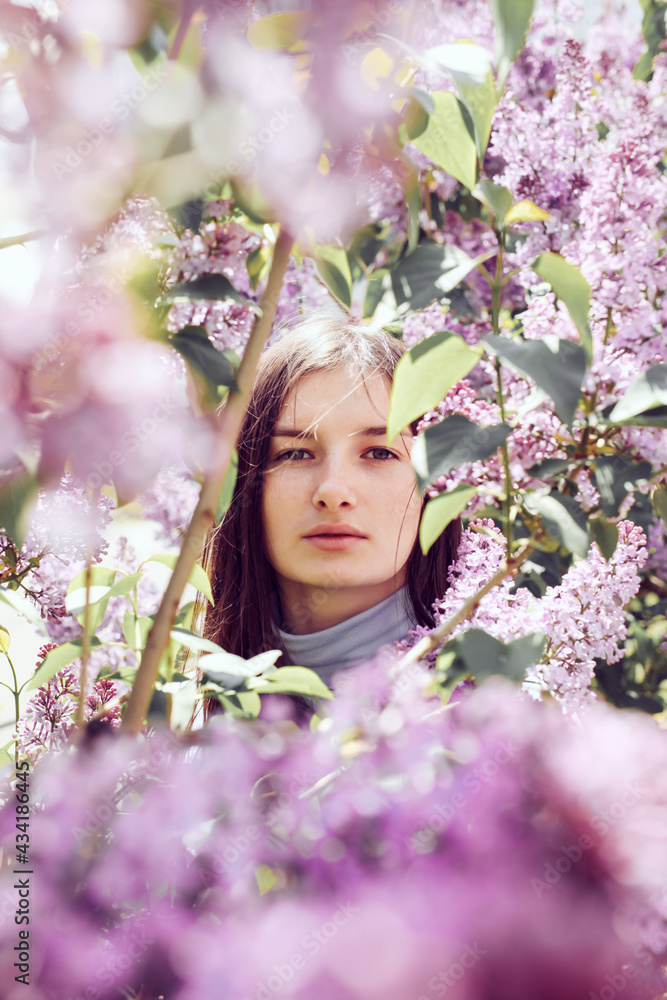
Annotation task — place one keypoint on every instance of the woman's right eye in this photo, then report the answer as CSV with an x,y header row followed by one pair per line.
x,y
292,455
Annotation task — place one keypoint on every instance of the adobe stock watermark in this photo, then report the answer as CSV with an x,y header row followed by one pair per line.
x,y
310,945
116,964
572,854
28,31
473,781
72,156
362,37
443,981
211,865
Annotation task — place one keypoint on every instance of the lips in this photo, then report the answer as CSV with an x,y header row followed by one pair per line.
x,y
334,537
335,530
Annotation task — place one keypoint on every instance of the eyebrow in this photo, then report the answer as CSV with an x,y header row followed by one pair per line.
x,y
293,432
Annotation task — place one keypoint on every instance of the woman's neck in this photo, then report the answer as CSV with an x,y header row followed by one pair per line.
x,y
306,609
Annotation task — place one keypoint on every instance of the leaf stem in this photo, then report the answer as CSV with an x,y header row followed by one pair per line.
x,y
228,428
497,288
436,637
85,648
16,691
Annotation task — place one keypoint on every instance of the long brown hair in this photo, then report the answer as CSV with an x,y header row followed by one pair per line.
x,y
243,618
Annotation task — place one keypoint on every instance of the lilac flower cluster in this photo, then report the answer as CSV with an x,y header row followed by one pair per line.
x,y
583,617
546,835
50,718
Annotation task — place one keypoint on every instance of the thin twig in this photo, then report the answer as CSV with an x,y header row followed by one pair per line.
x,y
85,648
195,535
436,637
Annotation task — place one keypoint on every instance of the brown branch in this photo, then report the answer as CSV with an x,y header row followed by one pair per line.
x,y
195,535
436,637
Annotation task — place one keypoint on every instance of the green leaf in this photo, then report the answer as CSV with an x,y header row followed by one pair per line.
x,y
17,499
57,659
660,502
526,211
480,101
295,680
430,272
258,263
605,534
194,345
227,488
24,607
193,641
452,442
511,19
136,629
5,639
483,655
413,199
495,197
557,366
549,467
562,519
572,289
7,755
424,376
279,31
227,670
211,287
646,394
449,138
250,703
615,476
439,511
416,112
334,269
197,578
100,576
379,286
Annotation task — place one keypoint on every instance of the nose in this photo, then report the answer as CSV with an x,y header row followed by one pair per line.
x,y
334,488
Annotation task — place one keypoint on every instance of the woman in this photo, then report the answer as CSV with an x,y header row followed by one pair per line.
x,y
318,554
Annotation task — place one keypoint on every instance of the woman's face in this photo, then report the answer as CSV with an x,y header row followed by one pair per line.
x,y
340,508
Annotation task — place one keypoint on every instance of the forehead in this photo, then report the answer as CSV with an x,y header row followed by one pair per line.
x,y
339,394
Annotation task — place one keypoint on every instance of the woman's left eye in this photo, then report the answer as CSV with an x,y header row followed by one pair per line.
x,y
381,454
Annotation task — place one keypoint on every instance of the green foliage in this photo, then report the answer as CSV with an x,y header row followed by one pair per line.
x,y
480,103
572,289
439,511
57,659
17,498
605,533
615,476
481,655
194,344
210,287
334,269
562,518
449,138
430,272
424,376
654,26
197,578
227,488
451,442
644,403
557,366
497,199
511,19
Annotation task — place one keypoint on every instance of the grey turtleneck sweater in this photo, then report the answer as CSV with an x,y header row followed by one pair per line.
x,y
354,640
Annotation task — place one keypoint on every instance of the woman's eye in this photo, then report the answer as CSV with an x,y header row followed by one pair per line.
x,y
292,455
381,454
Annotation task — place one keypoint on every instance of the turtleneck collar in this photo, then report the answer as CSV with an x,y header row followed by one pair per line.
x,y
354,640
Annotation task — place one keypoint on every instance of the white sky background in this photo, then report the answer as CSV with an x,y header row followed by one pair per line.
x,y
19,272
